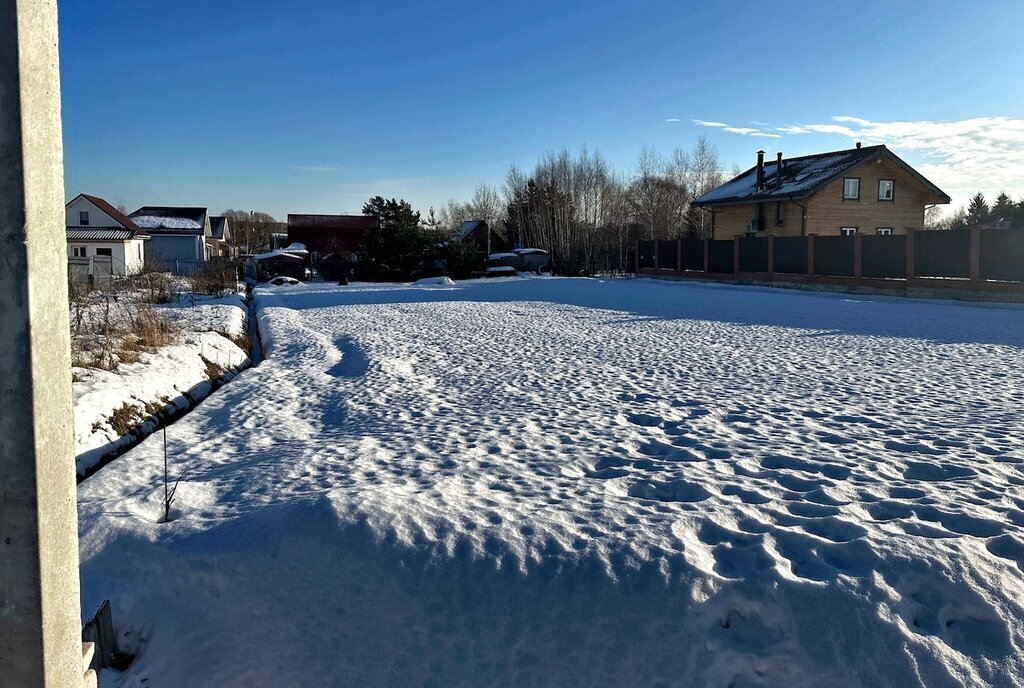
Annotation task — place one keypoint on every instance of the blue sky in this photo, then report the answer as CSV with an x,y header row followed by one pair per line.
x,y
315,106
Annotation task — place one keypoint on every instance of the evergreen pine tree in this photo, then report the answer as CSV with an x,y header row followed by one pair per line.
x,y
1003,208
977,210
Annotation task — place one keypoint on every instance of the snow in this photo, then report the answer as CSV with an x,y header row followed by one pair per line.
x,y
277,253
576,482
171,377
434,281
156,222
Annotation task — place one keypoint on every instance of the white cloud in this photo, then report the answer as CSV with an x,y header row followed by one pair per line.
x,y
672,119
960,156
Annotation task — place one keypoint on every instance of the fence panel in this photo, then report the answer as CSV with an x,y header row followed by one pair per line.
x,y
883,257
693,254
1002,255
720,256
667,254
646,257
790,255
753,254
833,256
942,253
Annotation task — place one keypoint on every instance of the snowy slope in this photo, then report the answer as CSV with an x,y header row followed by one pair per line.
x,y
162,378
576,482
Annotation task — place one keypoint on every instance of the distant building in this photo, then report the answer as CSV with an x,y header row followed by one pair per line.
x,y
97,231
220,243
477,231
865,190
178,234
330,234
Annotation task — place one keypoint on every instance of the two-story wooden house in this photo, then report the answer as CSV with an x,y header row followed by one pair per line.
x,y
862,190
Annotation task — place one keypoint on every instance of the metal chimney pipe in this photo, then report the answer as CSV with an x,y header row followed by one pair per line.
x,y
778,170
760,170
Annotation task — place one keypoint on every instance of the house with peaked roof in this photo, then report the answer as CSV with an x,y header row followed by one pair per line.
x,y
177,234
220,243
102,239
483,237
861,190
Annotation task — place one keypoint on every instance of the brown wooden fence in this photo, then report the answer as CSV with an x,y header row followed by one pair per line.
x,y
982,259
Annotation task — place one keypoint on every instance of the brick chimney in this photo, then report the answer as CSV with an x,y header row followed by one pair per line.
x,y
760,170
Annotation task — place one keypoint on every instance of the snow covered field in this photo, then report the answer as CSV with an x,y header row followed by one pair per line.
x,y
170,377
555,482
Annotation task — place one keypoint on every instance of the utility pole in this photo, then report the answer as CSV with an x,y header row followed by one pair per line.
x,y
40,610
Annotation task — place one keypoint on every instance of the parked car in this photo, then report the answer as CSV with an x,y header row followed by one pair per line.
x,y
278,281
534,259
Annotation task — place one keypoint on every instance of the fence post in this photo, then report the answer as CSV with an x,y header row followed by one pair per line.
x,y
975,265
735,255
707,255
910,254
656,252
810,256
771,256
636,258
679,255
858,247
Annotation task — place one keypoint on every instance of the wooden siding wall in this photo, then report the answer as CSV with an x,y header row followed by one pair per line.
x,y
827,211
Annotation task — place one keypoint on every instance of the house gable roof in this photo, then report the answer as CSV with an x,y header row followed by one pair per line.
x,y
120,218
803,177
466,229
218,225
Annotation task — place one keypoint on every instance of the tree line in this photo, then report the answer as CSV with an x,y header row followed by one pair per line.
x,y
585,213
1004,213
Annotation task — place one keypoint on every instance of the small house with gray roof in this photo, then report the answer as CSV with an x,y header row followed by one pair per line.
x,y
861,190
178,234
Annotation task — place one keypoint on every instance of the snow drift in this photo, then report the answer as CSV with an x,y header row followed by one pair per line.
x,y
572,482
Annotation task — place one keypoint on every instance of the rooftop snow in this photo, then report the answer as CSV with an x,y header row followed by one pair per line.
x,y
156,222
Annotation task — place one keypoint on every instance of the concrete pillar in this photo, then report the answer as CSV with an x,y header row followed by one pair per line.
x,y
40,617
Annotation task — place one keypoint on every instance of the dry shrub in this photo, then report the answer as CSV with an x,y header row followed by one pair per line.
x,y
213,370
154,285
213,278
125,419
152,329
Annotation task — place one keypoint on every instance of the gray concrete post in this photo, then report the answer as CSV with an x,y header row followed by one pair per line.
x,y
40,617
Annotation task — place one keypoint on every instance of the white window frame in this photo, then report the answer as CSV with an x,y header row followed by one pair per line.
x,y
847,231
883,231
110,251
79,251
846,193
892,190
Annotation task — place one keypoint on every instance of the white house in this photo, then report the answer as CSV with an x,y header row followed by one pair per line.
x,y
98,234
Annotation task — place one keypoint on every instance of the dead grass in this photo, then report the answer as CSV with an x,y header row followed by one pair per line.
x,y
125,419
214,371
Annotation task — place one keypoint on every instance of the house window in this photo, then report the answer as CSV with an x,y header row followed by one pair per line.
x,y
847,231
83,217
778,213
884,231
104,252
851,189
78,251
886,187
